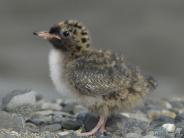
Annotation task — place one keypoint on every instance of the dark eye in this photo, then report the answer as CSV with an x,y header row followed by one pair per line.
x,y
66,34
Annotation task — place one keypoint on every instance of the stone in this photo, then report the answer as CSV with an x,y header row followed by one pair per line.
x,y
152,114
8,134
11,121
68,134
68,107
169,127
160,121
137,115
40,119
18,98
160,132
177,103
149,136
49,106
32,128
50,128
88,119
71,124
133,135
179,120
79,108
58,117
44,112
178,133
121,125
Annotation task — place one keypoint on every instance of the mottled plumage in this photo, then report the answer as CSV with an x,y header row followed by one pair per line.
x,y
101,80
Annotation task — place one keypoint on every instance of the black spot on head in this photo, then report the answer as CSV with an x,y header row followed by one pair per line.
x,y
84,33
75,32
83,40
78,48
77,25
88,45
70,30
55,29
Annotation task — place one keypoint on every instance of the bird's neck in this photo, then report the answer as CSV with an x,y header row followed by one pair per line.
x,y
72,54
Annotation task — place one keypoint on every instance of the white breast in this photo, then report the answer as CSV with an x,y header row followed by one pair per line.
x,y
56,64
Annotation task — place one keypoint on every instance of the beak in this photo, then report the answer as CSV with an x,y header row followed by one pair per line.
x,y
46,35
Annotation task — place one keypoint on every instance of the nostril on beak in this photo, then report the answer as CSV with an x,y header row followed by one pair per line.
x,y
35,33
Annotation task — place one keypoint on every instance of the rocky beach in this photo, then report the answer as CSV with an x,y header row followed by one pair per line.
x,y
26,114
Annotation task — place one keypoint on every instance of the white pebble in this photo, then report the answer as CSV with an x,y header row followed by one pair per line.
x,y
64,133
169,127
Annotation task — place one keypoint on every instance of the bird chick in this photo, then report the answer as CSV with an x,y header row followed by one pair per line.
x,y
100,80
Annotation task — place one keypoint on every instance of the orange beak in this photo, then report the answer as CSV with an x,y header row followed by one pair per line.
x,y
46,35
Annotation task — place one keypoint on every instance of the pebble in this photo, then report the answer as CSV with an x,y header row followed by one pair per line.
x,y
32,128
79,108
40,119
71,124
88,119
11,121
169,127
160,121
179,120
149,136
50,128
133,135
50,106
160,132
18,98
137,115
152,114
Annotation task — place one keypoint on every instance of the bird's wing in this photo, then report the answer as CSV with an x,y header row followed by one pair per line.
x,y
98,75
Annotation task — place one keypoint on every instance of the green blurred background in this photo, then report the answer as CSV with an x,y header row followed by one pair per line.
x,y
148,33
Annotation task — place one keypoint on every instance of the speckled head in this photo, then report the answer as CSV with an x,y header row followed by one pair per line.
x,y
67,35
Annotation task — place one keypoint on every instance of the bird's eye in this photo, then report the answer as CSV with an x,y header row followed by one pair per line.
x,y
66,34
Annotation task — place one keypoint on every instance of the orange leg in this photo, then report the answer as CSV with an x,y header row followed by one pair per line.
x,y
100,125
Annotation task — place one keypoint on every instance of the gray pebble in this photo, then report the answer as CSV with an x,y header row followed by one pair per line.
x,y
60,116
89,120
18,98
68,107
179,120
50,128
150,136
71,124
11,121
49,106
68,134
32,128
40,119
161,133
133,135
160,121
79,108
125,125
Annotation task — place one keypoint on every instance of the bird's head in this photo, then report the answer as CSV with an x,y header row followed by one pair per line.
x,y
67,35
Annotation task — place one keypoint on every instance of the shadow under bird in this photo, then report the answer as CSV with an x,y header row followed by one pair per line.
x,y
100,80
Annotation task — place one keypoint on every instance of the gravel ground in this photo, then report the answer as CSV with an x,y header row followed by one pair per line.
x,y
25,114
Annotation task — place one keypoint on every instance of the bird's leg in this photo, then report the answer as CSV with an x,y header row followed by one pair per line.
x,y
100,124
102,128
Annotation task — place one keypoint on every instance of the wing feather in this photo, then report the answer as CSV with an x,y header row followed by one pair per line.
x,y
98,76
